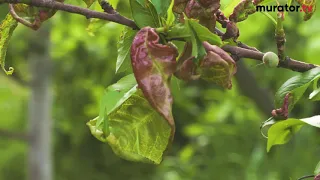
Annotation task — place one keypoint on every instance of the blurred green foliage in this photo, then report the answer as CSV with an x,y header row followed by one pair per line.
x,y
217,136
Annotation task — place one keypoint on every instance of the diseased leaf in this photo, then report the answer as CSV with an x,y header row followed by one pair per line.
x,y
308,7
31,16
296,86
281,132
7,26
186,68
242,11
144,13
137,131
153,64
217,66
124,45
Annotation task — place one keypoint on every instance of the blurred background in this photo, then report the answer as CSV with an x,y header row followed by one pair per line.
x,y
62,70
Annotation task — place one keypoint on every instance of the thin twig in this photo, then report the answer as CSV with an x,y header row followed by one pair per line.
x,y
117,18
21,20
288,63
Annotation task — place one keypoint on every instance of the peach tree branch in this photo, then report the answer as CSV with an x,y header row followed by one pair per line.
x,y
243,51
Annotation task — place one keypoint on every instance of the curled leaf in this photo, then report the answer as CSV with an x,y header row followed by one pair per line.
x,y
31,16
242,10
7,26
217,66
186,69
153,64
308,7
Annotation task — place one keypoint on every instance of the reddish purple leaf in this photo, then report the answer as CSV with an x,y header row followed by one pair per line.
x,y
217,66
153,64
186,69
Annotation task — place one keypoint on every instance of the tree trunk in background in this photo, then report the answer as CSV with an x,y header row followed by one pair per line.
x,y
249,87
40,105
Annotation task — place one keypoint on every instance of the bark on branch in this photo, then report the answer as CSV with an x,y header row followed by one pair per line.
x,y
288,63
117,18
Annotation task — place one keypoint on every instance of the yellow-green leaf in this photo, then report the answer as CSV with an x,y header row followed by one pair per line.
x,y
137,131
7,26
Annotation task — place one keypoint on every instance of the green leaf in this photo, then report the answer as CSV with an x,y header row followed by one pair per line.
x,y
112,95
315,95
265,2
270,17
179,31
313,121
7,26
281,132
198,51
317,169
170,15
137,131
227,11
94,25
162,6
296,85
204,34
89,2
124,45
144,13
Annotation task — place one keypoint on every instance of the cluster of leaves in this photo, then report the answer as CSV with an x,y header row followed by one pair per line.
x,y
154,60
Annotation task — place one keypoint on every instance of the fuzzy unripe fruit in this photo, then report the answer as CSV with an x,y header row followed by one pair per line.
x,y
270,59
